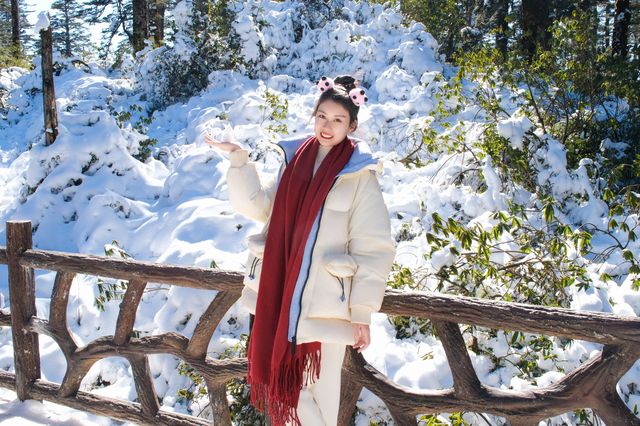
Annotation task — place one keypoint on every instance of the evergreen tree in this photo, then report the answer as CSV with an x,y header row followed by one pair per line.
x,y
140,24
69,32
15,25
5,23
491,17
157,10
621,19
444,19
634,31
535,20
132,20
10,52
116,15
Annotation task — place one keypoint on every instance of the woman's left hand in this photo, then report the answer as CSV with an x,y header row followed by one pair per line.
x,y
362,336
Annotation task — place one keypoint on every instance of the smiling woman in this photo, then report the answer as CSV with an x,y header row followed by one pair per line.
x,y
318,269
332,123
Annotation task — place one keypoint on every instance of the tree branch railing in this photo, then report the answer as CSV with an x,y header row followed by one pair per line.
x,y
592,385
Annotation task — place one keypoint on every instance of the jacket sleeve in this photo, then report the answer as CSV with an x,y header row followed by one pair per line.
x,y
372,248
246,193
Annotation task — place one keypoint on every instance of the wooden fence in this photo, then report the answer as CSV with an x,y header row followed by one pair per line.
x,y
592,385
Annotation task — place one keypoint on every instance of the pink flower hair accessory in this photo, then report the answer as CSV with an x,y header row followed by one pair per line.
x,y
325,83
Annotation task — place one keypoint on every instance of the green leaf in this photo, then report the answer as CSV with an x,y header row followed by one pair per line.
x,y
606,277
437,219
607,195
548,213
431,238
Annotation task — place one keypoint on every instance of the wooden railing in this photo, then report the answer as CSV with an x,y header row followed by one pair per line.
x,y
592,385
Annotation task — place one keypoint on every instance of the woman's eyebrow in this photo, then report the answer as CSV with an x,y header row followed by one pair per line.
x,y
337,115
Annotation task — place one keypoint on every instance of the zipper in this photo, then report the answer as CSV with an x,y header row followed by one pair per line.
x,y
341,281
252,270
295,333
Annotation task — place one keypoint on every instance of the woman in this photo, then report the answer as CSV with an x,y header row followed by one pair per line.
x,y
319,268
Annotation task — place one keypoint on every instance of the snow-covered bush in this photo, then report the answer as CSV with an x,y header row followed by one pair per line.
x,y
537,211
205,40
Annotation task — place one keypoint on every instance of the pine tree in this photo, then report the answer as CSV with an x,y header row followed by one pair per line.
x,y
11,30
117,17
5,23
491,16
140,25
157,10
535,20
444,19
69,32
621,19
132,20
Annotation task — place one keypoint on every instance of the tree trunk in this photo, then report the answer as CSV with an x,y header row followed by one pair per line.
x,y
48,90
15,26
140,24
535,21
67,30
607,24
587,5
502,27
621,19
156,20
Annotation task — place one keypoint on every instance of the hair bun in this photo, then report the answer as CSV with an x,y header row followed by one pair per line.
x,y
346,81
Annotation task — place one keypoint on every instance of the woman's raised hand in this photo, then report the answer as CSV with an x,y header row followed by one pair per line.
x,y
222,146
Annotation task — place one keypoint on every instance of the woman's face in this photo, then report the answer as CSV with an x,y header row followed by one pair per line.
x,y
332,123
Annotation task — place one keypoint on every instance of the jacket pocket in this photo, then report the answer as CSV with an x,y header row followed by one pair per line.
x,y
253,267
333,286
342,267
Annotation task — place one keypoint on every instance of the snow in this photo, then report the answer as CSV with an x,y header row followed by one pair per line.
x,y
43,22
87,193
514,128
34,413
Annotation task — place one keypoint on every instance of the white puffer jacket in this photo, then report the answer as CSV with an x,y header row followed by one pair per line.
x,y
348,254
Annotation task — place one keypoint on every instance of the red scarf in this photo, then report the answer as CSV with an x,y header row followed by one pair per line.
x,y
277,368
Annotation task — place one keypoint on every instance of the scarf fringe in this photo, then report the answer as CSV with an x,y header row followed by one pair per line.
x,y
280,398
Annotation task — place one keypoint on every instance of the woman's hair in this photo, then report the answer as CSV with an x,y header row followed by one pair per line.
x,y
340,94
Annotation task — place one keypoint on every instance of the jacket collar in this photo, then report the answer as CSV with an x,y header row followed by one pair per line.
x,y
360,159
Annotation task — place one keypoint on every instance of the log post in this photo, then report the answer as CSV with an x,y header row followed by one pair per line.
x,y
350,390
23,306
50,112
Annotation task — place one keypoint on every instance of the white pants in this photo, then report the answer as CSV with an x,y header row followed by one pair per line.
x,y
319,402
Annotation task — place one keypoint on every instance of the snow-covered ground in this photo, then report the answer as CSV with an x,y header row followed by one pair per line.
x,y
13,412
86,193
